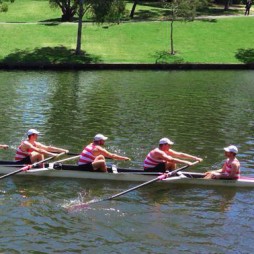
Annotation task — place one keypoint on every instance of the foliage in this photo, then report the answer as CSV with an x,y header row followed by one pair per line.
x,y
4,5
101,10
185,9
68,8
108,11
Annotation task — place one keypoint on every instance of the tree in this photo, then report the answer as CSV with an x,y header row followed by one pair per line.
x,y
135,2
68,8
226,6
102,11
184,10
4,5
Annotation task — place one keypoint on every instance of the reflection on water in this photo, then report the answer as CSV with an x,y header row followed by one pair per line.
x,y
202,111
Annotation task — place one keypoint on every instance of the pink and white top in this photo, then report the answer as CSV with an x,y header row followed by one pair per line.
x,y
87,155
228,167
20,155
150,161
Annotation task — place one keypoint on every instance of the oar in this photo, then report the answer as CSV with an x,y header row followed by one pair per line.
x,y
51,165
78,154
161,177
30,166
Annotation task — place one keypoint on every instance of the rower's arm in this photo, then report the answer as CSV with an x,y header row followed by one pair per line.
x,y
39,148
52,149
184,155
4,146
113,156
168,158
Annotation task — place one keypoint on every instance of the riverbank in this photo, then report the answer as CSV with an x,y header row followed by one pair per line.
x,y
126,66
47,44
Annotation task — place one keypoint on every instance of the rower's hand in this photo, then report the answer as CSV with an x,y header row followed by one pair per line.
x,y
66,151
127,159
190,163
198,159
53,154
5,147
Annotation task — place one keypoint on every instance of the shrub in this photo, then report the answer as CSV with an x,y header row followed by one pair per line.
x,y
4,7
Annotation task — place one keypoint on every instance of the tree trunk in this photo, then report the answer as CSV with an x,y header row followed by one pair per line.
x,y
226,7
79,35
133,8
67,17
171,38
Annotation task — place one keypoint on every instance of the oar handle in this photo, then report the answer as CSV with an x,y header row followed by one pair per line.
x,y
182,168
67,159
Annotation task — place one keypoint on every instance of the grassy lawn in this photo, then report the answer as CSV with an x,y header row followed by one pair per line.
x,y
228,40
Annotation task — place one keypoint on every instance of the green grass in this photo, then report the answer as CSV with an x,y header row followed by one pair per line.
x,y
228,40
30,11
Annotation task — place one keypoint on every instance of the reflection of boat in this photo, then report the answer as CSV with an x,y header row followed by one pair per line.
x,y
121,174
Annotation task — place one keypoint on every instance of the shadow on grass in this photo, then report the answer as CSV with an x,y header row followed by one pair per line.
x,y
206,20
245,55
50,55
164,57
57,21
218,12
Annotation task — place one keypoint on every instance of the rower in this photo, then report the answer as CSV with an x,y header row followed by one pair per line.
x,y
31,151
93,156
230,168
163,158
4,146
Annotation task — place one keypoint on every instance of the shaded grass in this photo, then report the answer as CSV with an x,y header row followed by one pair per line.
x,y
222,41
40,11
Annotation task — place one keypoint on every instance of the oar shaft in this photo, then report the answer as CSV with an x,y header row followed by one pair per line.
x,y
67,159
136,187
161,177
14,172
30,166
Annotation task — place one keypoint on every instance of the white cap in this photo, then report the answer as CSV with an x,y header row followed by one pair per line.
x,y
33,131
231,149
165,141
99,137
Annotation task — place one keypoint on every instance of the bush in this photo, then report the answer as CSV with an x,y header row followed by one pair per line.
x,y
4,7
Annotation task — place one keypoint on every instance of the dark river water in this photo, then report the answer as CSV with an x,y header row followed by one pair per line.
x,y
201,111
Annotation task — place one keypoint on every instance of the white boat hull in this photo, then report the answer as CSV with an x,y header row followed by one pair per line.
x,y
133,177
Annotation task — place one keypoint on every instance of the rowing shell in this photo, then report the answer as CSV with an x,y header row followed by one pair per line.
x,y
73,171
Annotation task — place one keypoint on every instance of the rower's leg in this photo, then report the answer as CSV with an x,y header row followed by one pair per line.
x,y
99,158
100,165
170,166
35,157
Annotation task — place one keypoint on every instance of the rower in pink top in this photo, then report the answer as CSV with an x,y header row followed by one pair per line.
x,y
230,168
31,151
163,158
93,155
